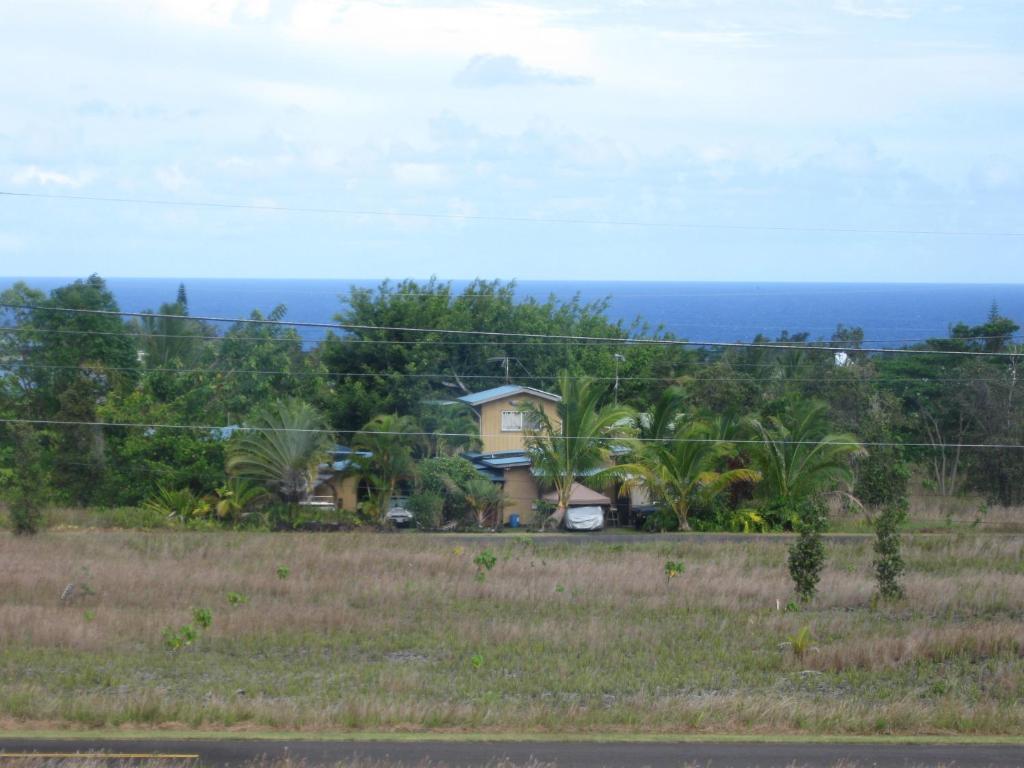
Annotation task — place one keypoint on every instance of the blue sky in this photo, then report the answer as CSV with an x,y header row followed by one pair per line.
x,y
860,114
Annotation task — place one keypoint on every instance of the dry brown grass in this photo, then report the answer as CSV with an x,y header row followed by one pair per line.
x,y
976,643
378,631
146,581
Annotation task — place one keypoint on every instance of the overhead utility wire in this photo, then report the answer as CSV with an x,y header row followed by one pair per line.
x,y
508,219
620,439
514,334
145,334
496,375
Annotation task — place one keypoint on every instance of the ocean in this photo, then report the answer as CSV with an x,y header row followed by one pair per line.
x,y
890,314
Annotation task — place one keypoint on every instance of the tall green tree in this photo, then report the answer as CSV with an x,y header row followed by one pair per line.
x,y
75,361
380,370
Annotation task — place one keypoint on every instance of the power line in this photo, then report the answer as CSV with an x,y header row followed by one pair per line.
x,y
509,219
515,334
620,440
495,376
140,333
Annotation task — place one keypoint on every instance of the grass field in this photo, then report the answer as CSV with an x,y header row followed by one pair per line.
x,y
378,632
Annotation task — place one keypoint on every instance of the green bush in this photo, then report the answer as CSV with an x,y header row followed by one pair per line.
x,y
427,508
203,617
484,562
662,519
807,554
448,478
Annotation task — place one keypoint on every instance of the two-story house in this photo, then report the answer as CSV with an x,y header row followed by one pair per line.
x,y
504,419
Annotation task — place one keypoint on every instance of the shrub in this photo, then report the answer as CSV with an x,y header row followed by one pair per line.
x,y
283,571
447,477
673,568
744,521
203,617
427,508
176,639
800,642
181,504
889,564
484,562
236,599
661,519
807,554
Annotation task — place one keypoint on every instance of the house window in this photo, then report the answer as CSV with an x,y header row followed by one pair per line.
x,y
511,421
517,421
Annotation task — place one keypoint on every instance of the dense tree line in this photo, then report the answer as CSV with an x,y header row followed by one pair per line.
x,y
83,380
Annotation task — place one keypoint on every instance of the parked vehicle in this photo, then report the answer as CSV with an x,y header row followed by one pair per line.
x,y
584,519
398,515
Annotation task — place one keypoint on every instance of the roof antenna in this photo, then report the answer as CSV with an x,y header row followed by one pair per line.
x,y
506,361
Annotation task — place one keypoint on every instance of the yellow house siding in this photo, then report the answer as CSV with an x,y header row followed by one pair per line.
x,y
343,489
521,490
492,437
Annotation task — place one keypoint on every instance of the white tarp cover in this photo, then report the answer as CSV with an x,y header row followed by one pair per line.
x,y
584,519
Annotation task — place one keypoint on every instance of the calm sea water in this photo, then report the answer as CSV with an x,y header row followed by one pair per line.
x,y
888,313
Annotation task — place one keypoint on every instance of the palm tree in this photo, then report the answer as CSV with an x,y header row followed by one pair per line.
x,y
485,499
799,458
661,423
284,444
576,442
389,440
687,467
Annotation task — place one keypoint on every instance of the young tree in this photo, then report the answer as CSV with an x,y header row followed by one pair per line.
x,y
807,554
888,562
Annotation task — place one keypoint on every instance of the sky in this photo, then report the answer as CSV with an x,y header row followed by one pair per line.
x,y
614,140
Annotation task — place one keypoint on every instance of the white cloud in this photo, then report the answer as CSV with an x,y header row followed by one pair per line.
x,y
33,174
419,174
171,177
875,10
487,71
535,35
214,13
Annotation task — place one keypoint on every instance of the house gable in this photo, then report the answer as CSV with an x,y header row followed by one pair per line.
x,y
501,414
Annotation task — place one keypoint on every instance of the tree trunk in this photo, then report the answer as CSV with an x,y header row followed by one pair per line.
x,y
555,519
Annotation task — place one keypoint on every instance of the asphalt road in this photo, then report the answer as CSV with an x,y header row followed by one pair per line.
x,y
232,752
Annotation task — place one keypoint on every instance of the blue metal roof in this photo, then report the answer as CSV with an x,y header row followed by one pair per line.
x,y
505,390
505,459
491,474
